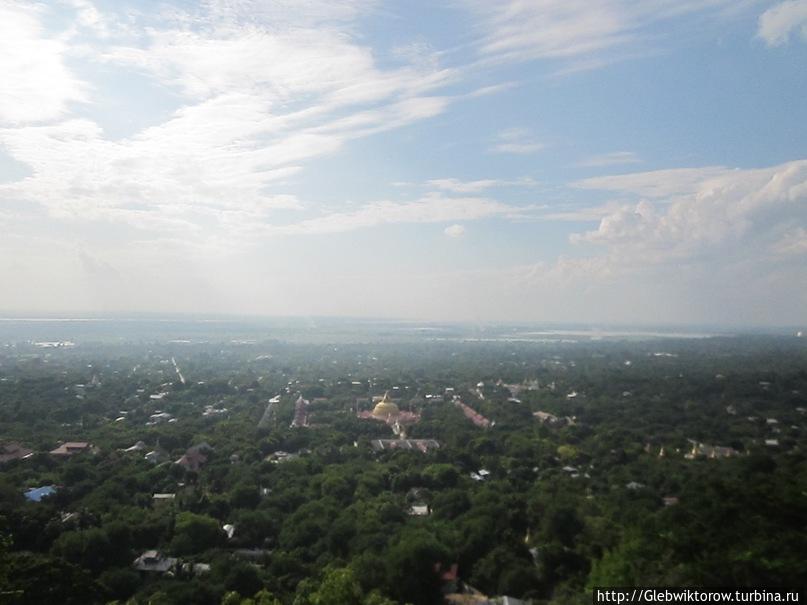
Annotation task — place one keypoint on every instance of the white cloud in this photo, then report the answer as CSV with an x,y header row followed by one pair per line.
x,y
288,13
515,30
726,249
578,213
89,17
432,208
721,248
251,92
493,89
701,245
78,173
37,85
516,140
279,65
278,59
458,186
518,148
613,158
792,243
454,231
266,88
731,208
778,23
656,183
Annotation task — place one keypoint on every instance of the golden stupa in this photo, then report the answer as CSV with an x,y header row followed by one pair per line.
x,y
385,408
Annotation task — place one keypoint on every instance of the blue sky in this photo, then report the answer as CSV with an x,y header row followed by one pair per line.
x,y
542,160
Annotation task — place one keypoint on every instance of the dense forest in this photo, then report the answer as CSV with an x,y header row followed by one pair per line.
x,y
263,473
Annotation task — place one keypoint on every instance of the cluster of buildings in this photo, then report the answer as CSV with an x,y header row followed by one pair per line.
x,y
192,460
549,419
385,410
703,450
159,417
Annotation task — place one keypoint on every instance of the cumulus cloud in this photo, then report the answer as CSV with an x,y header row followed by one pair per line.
x,y
454,231
778,23
720,208
725,248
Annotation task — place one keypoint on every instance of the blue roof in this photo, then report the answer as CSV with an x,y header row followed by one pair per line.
x,y
35,494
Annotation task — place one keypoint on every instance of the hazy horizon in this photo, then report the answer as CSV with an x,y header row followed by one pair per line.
x,y
549,162
200,328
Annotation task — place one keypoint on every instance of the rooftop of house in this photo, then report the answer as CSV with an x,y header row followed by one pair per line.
x,y
472,415
14,451
154,560
35,494
195,457
69,448
192,460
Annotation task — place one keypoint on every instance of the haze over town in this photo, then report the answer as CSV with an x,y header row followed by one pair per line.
x,y
599,161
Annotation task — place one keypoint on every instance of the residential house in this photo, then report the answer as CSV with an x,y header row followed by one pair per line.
x,y
419,510
71,448
35,494
702,450
14,451
156,455
162,500
195,457
153,561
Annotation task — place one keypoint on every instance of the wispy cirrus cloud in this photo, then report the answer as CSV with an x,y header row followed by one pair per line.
x,y
433,208
656,183
614,158
264,90
459,186
572,30
516,140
